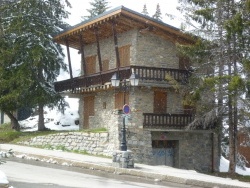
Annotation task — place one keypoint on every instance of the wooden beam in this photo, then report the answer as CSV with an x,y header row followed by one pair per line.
x,y
91,24
69,59
118,64
98,52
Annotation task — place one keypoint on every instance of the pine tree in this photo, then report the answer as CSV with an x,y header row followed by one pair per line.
x,y
219,57
30,60
145,11
98,7
157,14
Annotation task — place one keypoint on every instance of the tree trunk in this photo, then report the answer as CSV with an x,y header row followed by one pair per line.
x,y
220,84
14,122
232,162
41,126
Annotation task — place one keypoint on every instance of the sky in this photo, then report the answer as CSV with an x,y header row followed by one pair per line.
x,y
167,6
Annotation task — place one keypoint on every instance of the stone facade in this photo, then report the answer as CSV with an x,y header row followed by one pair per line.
x,y
138,139
145,50
193,150
123,159
152,51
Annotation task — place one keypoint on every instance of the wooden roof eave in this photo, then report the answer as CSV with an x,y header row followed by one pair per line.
x,y
160,25
87,25
130,15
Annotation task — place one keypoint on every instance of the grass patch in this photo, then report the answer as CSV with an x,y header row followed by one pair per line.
x,y
9,135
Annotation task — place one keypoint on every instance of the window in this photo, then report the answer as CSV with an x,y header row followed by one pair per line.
x,y
119,100
90,65
124,53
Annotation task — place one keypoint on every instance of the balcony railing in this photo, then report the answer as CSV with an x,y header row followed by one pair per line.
x,y
145,74
166,121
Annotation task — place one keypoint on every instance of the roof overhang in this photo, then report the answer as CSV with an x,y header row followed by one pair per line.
x,y
124,20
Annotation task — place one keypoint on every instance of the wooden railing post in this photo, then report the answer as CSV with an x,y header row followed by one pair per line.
x,y
145,73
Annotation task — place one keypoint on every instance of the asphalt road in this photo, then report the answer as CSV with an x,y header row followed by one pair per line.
x,y
34,174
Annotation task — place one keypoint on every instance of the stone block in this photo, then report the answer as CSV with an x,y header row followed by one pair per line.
x,y
125,154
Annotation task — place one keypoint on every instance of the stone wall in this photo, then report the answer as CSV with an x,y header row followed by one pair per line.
x,y
145,50
153,51
92,143
141,101
107,48
196,150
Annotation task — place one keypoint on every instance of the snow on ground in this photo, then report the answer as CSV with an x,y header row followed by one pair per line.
x,y
55,120
224,166
3,178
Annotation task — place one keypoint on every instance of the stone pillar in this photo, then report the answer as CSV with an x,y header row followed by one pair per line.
x,y
123,159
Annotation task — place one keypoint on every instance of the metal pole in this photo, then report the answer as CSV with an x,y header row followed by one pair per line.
x,y
123,130
123,142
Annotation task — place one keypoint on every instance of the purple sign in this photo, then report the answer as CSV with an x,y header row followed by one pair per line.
x,y
126,109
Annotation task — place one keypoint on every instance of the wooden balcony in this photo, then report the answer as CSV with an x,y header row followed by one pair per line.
x,y
145,74
166,121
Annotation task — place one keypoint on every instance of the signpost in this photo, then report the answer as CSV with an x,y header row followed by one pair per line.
x,y
126,109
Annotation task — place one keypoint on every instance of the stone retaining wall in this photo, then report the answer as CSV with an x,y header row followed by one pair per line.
x,y
92,143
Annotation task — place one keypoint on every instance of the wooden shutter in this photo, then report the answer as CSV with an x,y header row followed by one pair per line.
x,y
89,109
90,65
119,100
160,102
105,65
124,53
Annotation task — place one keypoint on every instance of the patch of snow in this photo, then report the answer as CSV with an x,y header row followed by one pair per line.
x,y
3,178
55,120
224,166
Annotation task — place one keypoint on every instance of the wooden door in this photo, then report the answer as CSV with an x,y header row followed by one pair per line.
x,y
89,110
160,102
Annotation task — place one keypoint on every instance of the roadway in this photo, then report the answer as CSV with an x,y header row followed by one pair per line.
x,y
24,173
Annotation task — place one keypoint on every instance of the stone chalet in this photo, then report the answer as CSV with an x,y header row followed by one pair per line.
x,y
123,41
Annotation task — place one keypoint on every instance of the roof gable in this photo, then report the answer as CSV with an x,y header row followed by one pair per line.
x,y
124,20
